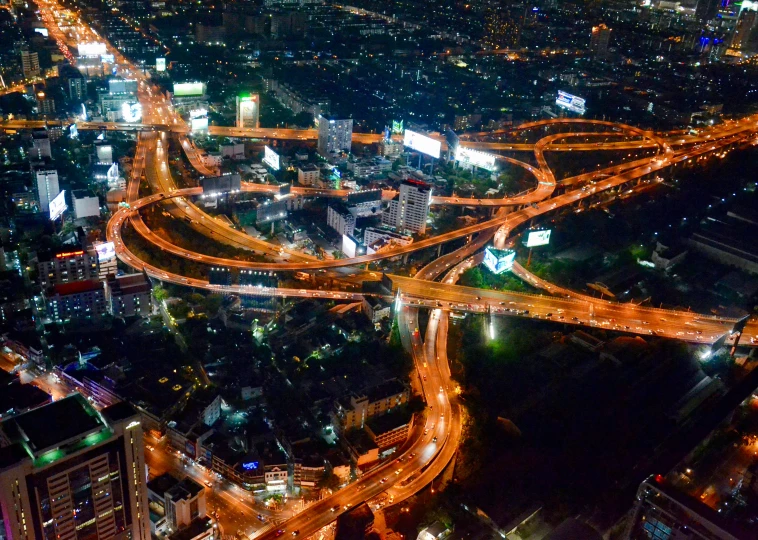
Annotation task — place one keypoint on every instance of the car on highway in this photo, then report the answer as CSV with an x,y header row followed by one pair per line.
x,y
279,532
295,533
434,439
383,480
335,507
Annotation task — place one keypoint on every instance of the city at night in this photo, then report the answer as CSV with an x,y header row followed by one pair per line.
x,y
399,270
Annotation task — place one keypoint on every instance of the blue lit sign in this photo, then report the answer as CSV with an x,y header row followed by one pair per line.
x,y
250,465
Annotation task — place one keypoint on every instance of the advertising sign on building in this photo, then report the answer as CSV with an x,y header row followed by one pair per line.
x,y
571,102
105,251
422,143
271,158
499,260
58,206
537,238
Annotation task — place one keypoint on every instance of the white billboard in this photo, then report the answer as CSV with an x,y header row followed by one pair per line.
x,y
160,64
571,102
105,251
467,156
271,158
58,205
422,143
189,89
537,238
91,49
499,260
199,124
131,111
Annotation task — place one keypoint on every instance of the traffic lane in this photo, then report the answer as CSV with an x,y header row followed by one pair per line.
x,y
232,504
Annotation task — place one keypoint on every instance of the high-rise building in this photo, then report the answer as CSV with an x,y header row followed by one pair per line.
x,y
41,145
30,64
248,111
410,208
77,300
601,38
66,266
68,472
334,135
661,511
45,186
741,37
128,295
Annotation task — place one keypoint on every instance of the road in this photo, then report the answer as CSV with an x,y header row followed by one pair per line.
x,y
430,452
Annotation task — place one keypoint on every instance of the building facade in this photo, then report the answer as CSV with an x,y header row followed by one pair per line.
x,y
334,135
339,218
129,295
409,210
66,266
45,186
353,410
77,300
68,472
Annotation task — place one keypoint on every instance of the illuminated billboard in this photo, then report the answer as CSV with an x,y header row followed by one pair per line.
x,y
570,102
537,238
198,119
271,158
189,89
160,64
467,156
91,49
107,58
58,206
105,251
397,127
422,143
499,260
42,31
131,111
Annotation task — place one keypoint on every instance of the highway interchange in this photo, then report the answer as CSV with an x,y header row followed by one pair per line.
x,y
436,441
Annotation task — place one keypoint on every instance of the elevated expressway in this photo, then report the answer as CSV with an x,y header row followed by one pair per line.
x,y
424,459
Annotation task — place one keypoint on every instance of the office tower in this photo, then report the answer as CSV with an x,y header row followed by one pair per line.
x,y
661,511
744,29
68,472
601,37
30,64
410,208
45,186
248,111
334,135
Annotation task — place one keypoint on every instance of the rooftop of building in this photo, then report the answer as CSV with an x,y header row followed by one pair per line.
x,y
385,390
128,284
196,528
16,397
82,194
78,287
385,423
45,433
696,507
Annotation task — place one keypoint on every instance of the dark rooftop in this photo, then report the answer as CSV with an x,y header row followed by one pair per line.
x,y
193,530
119,412
54,424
